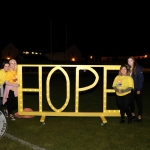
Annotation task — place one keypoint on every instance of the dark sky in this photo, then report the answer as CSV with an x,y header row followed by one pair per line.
x,y
93,30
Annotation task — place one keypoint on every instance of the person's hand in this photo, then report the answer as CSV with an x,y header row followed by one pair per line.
x,y
17,85
138,92
119,91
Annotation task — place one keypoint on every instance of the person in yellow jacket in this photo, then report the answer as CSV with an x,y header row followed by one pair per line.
x,y
11,89
3,71
123,84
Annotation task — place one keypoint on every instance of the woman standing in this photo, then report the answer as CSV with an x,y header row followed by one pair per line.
x,y
123,84
137,75
11,88
3,71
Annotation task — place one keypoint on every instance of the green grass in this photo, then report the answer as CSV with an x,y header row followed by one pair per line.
x,y
78,133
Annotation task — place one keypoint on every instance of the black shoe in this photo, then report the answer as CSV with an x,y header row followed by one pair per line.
x,y
12,118
122,121
138,120
133,117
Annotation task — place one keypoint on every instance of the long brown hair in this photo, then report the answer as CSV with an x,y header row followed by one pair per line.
x,y
135,64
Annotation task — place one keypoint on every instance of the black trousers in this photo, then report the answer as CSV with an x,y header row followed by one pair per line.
x,y
123,104
12,102
138,99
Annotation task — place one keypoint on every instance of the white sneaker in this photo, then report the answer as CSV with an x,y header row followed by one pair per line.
x,y
12,118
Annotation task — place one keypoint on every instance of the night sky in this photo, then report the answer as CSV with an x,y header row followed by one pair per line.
x,y
92,30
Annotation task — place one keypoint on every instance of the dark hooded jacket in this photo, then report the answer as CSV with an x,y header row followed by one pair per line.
x,y
138,78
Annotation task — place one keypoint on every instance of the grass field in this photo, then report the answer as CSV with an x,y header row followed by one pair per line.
x,y
76,133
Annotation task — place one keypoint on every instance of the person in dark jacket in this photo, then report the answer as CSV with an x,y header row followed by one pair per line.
x,y
136,72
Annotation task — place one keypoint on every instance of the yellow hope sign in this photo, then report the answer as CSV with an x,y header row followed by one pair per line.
x,y
59,112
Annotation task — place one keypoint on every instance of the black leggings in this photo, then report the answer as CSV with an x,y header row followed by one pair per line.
x,y
12,102
123,104
138,98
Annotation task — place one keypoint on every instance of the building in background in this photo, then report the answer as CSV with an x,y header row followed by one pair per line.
x,y
71,54
10,51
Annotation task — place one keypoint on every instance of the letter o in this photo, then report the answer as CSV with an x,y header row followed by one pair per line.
x,y
48,88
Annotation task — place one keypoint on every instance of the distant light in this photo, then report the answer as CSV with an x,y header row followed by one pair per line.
x,y
40,53
27,52
145,56
32,52
91,57
73,59
36,53
8,58
24,52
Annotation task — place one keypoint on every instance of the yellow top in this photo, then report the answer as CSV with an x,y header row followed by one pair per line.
x,y
123,82
2,76
11,76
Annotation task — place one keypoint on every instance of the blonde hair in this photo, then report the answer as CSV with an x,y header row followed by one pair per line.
x,y
13,60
